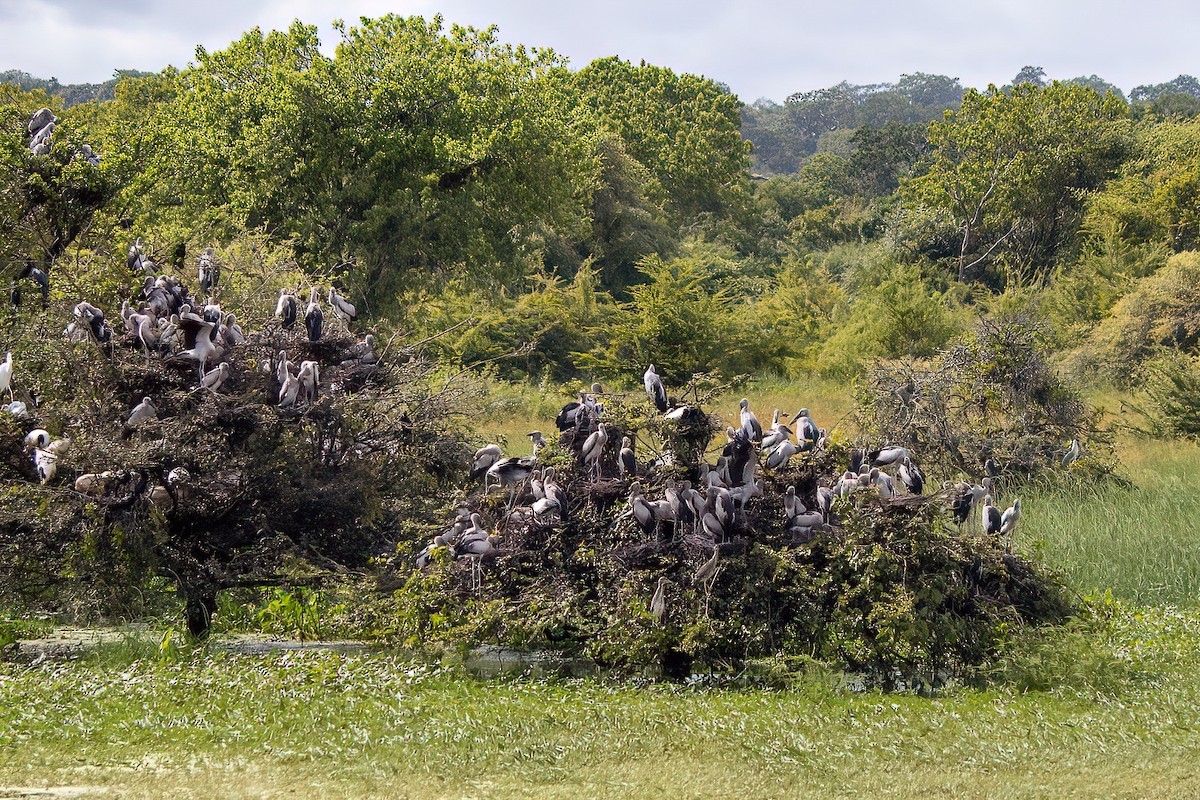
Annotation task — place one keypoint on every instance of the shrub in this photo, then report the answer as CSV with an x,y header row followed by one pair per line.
x,y
991,395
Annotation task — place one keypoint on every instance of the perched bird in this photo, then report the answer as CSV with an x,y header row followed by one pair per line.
x,y
136,258
142,413
94,484
990,517
627,462
806,430
364,351
750,423
342,308
888,455
778,434
314,318
215,379
45,452
639,506
543,508
658,603
707,572
539,442
1009,520
231,332
477,550
910,475
593,450
884,483
285,309
310,380
289,392
208,271
197,339
1073,454
654,388
94,319
484,458
779,457
792,505
6,373
568,415
510,472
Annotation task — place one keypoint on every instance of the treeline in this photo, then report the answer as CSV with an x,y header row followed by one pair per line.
x,y
610,214
785,134
71,94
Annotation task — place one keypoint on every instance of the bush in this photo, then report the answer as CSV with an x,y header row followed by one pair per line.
x,y
1162,311
992,395
891,591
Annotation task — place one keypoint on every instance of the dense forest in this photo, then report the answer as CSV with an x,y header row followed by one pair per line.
x,y
618,210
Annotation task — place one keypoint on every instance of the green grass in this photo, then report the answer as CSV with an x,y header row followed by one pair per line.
x,y
328,725
1142,542
1108,707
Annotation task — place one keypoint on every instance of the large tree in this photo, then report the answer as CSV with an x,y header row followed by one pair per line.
x,y
1013,168
414,152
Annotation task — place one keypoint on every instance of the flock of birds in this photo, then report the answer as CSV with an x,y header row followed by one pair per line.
x,y
168,323
710,513
41,132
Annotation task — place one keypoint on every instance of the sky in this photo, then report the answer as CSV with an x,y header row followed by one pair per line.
x,y
760,49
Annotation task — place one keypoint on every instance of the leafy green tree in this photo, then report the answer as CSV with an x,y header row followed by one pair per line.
x,y
1183,84
47,202
1034,75
684,129
1012,169
675,320
414,154
930,91
1099,84
1156,196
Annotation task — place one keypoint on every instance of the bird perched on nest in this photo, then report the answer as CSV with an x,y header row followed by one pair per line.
x,y
142,413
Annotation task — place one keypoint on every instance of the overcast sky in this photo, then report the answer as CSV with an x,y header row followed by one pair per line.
x,y
759,48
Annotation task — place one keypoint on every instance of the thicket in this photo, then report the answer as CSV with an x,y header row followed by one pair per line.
x,y
893,591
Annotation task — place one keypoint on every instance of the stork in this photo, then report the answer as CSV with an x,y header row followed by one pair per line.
x,y
6,373
314,318
143,412
654,388
342,308
285,309
593,450
750,423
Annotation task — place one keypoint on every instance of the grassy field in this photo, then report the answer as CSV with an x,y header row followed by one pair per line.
x,y
1124,721
1108,707
1142,542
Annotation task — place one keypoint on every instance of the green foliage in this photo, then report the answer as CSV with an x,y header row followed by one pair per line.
x,y
900,316
675,320
1160,312
291,613
992,394
785,135
684,129
15,628
46,202
1173,389
1012,167
412,152
1155,198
